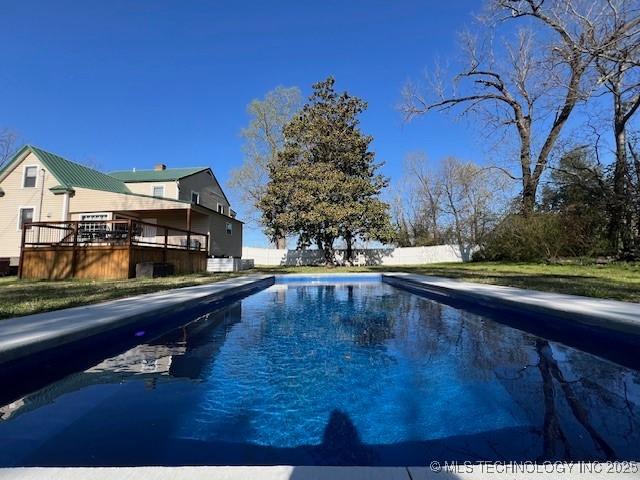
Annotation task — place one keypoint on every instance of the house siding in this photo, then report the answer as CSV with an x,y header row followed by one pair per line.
x,y
86,200
16,197
222,244
146,188
210,192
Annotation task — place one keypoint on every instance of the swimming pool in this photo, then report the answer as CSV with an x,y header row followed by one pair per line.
x,y
340,371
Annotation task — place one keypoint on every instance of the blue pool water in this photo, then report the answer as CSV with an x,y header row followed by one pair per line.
x,y
355,372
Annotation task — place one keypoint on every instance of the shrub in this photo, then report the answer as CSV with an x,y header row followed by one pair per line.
x,y
536,237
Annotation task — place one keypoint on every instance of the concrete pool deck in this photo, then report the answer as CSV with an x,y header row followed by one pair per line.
x,y
27,335
30,334
622,317
586,471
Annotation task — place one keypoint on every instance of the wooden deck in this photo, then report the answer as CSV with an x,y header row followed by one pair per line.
x,y
110,250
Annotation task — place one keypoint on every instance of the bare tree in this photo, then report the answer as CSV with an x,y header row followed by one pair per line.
x,y
635,182
263,138
7,145
472,201
423,201
455,202
532,83
618,67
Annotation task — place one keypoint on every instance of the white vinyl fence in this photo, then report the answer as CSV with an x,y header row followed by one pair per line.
x,y
228,264
369,256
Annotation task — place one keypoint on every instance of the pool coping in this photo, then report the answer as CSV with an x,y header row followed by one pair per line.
x,y
611,315
30,334
436,471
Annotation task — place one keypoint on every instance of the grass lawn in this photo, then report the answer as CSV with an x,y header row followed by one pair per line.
x,y
24,297
619,281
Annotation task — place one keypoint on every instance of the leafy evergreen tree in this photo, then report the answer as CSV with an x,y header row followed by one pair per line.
x,y
324,184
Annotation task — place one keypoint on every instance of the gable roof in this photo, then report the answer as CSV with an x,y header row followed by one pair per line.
x,y
70,174
156,175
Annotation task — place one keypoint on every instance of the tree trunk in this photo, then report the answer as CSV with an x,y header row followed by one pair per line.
x,y
618,234
329,254
636,195
529,181
349,253
280,241
529,188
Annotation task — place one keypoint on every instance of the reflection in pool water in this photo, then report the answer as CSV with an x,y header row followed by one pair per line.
x,y
346,374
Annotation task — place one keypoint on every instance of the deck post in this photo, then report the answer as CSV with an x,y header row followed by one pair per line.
x,y
24,236
131,272
188,229
130,248
74,254
166,243
130,232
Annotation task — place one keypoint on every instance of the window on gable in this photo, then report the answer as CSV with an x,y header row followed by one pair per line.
x,y
221,209
195,197
30,175
26,216
158,191
229,229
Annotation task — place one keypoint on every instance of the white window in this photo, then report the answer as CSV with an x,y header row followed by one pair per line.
x,y
229,229
195,197
30,176
158,191
221,209
25,216
89,217
94,222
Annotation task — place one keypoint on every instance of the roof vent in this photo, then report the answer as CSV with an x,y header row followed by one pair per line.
x,y
159,167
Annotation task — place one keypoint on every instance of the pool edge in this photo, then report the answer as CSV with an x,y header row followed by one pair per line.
x,y
466,471
610,315
59,328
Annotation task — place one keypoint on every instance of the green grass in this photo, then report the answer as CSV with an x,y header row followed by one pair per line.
x,y
619,281
24,297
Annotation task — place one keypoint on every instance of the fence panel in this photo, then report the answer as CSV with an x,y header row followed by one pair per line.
x,y
369,256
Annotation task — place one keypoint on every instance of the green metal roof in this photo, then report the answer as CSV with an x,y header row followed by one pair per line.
x,y
71,174
156,175
60,189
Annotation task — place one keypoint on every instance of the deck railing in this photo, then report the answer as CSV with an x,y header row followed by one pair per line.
x,y
111,233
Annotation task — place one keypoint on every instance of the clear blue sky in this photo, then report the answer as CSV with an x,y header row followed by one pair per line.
x,y
132,83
